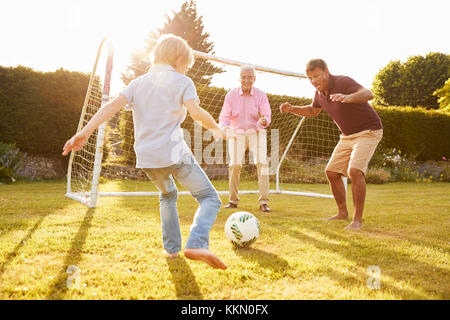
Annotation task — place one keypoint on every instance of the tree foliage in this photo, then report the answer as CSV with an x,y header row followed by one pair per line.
x,y
444,96
412,83
188,25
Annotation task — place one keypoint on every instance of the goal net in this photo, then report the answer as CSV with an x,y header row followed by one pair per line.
x,y
298,148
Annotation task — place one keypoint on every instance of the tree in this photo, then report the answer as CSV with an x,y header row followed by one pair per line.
x,y
140,60
188,25
444,96
387,86
412,83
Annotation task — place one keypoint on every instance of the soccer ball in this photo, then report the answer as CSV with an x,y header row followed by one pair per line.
x,y
242,229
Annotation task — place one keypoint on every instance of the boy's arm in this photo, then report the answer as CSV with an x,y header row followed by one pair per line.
x,y
105,113
204,118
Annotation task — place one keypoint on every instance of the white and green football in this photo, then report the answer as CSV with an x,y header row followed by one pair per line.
x,y
242,229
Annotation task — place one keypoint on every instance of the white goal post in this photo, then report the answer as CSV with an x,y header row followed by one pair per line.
x,y
298,147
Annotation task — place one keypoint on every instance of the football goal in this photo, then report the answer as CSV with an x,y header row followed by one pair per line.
x,y
298,148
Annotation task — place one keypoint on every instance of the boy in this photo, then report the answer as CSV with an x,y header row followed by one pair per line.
x,y
160,100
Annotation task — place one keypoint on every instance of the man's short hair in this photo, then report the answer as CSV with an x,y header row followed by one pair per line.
x,y
248,67
316,63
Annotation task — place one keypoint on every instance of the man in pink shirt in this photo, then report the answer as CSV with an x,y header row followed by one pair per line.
x,y
246,111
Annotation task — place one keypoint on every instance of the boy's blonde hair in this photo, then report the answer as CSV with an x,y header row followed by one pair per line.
x,y
168,48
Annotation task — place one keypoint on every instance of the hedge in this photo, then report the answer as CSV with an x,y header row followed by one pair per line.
x,y
419,133
40,111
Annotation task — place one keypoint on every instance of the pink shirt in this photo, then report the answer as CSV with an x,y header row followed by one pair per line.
x,y
242,112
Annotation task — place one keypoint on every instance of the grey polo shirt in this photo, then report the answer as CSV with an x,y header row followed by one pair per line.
x,y
156,100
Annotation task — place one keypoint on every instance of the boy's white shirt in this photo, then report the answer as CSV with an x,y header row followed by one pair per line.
x,y
156,100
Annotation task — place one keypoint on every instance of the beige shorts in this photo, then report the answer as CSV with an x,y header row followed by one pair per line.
x,y
354,151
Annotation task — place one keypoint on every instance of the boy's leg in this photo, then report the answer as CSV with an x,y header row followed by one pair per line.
x,y
193,178
170,224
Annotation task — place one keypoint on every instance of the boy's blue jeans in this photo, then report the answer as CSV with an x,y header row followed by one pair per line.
x,y
189,174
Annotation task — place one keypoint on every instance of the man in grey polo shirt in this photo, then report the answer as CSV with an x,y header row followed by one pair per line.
x,y
346,102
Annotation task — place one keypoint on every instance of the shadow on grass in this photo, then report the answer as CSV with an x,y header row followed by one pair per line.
x,y
186,287
10,257
73,257
265,260
385,256
20,221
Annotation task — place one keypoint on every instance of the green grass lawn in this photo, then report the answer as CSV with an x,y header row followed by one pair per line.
x,y
52,247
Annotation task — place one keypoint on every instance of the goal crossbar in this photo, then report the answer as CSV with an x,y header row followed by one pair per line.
x,y
240,64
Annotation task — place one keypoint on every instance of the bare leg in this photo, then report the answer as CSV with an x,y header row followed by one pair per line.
x,y
359,197
206,256
338,190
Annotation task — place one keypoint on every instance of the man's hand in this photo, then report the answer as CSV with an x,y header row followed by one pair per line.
x,y
75,143
286,107
340,97
225,133
360,96
262,119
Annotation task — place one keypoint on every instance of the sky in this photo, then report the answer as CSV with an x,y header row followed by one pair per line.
x,y
355,38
